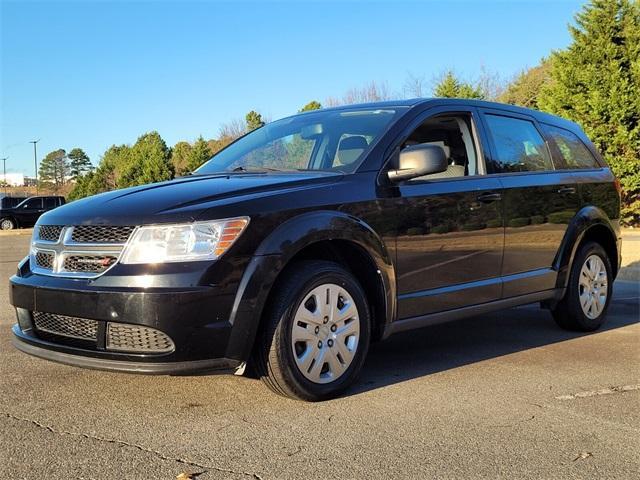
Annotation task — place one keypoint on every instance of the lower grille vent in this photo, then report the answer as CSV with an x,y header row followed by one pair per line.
x,y
135,338
62,325
83,332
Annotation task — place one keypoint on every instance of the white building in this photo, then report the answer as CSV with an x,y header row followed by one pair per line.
x,y
13,179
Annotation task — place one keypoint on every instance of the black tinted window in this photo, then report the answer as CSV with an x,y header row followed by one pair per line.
x,y
519,145
50,202
32,203
574,152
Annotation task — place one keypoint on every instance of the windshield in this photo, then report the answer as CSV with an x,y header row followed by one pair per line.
x,y
334,140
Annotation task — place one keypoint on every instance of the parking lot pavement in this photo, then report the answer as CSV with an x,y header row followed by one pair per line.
x,y
502,395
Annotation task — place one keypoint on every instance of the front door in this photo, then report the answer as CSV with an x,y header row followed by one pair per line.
x,y
450,237
29,212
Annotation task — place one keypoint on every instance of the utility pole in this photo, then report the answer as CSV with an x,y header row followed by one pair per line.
x,y
4,173
35,161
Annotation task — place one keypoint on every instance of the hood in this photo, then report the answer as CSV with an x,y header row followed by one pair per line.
x,y
180,200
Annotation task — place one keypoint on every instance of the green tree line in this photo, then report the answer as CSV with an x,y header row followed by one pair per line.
x,y
595,82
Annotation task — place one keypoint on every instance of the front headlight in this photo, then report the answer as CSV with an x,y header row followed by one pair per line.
x,y
183,243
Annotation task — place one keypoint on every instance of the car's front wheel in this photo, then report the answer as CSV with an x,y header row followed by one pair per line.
x,y
588,294
317,331
7,224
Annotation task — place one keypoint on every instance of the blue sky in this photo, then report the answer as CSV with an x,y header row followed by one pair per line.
x,y
92,74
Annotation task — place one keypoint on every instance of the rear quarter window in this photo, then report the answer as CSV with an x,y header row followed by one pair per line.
x,y
573,151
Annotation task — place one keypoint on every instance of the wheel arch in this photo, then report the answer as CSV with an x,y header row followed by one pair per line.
x,y
326,235
589,224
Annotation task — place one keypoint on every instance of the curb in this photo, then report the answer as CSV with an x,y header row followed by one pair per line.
x,y
13,233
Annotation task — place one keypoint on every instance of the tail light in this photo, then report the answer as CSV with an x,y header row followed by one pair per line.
x,y
618,186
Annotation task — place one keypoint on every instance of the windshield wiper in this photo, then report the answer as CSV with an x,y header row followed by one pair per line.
x,y
257,169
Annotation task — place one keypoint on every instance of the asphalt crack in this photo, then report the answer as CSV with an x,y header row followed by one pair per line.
x,y
602,391
139,447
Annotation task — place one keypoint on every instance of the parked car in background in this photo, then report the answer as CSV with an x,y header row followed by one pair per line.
x,y
28,211
9,201
299,244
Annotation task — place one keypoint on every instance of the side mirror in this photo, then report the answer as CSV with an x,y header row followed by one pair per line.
x,y
418,160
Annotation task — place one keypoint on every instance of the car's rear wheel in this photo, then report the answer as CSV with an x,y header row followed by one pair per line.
x,y
316,335
7,224
588,294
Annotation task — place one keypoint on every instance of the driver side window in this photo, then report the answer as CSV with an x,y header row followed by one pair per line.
x,y
454,133
33,203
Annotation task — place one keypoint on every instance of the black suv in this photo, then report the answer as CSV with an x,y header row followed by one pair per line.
x,y
305,240
27,212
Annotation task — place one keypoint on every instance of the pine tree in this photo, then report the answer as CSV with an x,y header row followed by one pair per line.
x,y
313,105
200,153
596,83
149,162
54,169
180,157
79,163
254,120
450,87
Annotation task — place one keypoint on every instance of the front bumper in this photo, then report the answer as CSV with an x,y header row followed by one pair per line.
x,y
50,351
195,318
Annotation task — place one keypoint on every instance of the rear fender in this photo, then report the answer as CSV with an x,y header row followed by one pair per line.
x,y
586,219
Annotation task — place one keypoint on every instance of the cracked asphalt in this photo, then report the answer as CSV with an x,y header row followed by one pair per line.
x,y
505,395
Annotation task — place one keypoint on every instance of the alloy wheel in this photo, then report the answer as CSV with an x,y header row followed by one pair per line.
x,y
6,224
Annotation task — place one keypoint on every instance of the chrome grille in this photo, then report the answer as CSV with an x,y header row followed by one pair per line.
x,y
83,251
45,260
101,234
134,338
62,325
49,233
88,263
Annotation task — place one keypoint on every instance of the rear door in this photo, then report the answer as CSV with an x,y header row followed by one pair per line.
x,y
450,233
539,201
50,203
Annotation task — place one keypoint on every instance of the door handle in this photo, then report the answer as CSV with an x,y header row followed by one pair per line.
x,y
566,190
489,197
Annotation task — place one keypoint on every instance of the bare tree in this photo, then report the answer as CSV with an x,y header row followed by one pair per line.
x,y
233,129
414,86
490,83
371,92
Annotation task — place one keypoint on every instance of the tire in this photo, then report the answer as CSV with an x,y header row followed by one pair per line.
x,y
7,224
329,347
584,306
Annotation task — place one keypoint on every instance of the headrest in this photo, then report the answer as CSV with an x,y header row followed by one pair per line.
x,y
351,148
446,148
355,141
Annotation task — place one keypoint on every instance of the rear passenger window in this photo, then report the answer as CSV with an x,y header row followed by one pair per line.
x,y
519,146
575,153
50,202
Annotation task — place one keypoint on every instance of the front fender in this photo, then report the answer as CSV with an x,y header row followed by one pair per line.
x,y
586,219
280,247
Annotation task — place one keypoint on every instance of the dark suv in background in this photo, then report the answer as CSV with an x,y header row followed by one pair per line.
x,y
299,244
27,212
